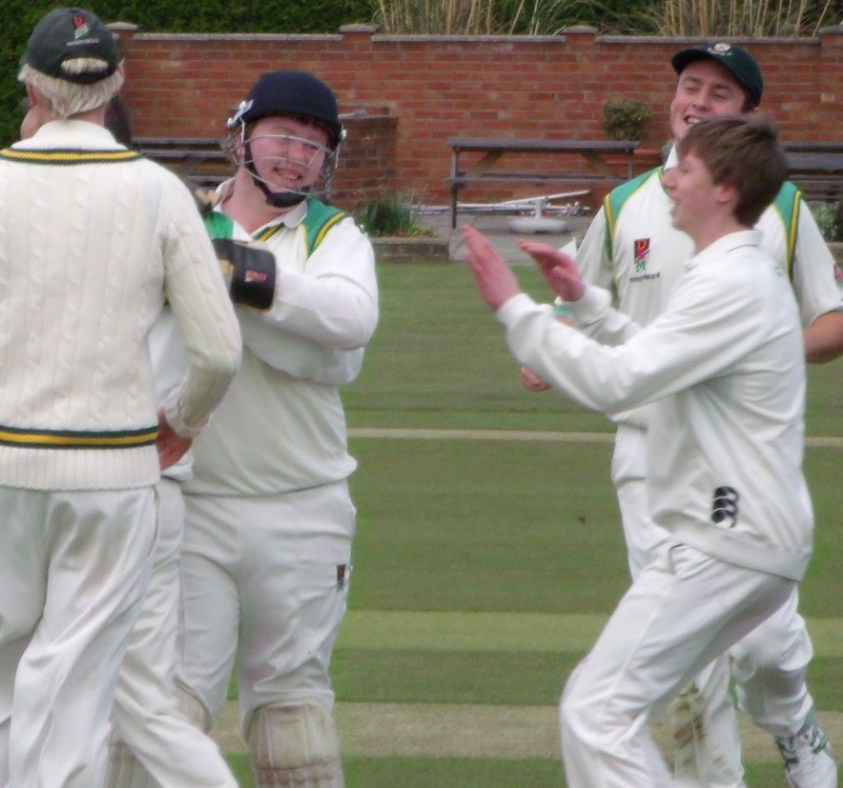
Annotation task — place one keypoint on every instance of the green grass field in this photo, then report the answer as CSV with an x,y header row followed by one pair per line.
x,y
486,562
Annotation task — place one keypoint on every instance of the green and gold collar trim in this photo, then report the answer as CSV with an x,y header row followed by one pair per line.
x,y
68,439
66,157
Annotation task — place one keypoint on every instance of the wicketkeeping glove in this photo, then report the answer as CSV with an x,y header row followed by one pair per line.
x,y
249,272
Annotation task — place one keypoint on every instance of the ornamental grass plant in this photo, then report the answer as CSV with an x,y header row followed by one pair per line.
x,y
660,17
755,18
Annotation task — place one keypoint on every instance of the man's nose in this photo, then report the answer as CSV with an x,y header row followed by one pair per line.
x,y
703,99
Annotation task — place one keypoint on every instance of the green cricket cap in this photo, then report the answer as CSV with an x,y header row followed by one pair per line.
x,y
67,34
735,59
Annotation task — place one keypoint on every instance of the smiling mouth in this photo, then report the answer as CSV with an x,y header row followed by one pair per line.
x,y
288,175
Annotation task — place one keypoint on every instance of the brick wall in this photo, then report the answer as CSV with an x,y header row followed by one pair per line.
x,y
422,89
367,166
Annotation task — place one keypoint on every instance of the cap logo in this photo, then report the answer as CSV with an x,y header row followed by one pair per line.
x,y
80,27
721,48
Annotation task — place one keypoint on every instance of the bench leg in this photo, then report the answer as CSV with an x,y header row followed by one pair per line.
x,y
453,206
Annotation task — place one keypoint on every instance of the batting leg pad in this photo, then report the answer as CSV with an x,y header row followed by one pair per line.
x,y
126,771
295,745
705,732
192,708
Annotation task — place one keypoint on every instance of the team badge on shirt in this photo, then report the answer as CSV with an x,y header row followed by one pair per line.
x,y
642,254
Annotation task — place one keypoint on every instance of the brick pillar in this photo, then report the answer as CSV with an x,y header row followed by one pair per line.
x,y
831,80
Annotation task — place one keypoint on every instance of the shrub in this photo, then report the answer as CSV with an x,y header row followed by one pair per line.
x,y
829,218
624,119
166,16
390,215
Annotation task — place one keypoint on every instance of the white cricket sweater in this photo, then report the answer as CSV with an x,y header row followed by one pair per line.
x,y
282,425
91,237
723,367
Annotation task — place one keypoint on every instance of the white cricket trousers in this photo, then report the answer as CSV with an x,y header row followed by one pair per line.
x,y
265,578
146,714
73,572
769,665
681,612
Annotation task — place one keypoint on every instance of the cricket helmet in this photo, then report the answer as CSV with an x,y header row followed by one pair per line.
x,y
295,94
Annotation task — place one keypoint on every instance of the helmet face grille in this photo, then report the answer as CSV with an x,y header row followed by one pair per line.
x,y
240,148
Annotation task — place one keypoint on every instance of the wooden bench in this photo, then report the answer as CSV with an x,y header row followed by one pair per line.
x,y
600,158
201,161
817,169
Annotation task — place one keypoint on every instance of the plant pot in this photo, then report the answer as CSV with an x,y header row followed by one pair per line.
x,y
410,250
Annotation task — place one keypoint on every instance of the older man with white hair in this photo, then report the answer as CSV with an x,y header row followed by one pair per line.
x,y
92,237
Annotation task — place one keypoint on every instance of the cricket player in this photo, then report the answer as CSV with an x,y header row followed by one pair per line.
x,y
633,250
269,523
721,371
146,714
153,743
92,236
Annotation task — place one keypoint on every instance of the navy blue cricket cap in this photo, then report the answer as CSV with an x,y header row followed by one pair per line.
x,y
67,34
735,59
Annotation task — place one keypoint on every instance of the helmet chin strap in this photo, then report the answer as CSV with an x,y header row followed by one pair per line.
x,y
275,199
280,199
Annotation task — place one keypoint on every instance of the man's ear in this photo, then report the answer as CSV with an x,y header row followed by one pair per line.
x,y
728,193
34,98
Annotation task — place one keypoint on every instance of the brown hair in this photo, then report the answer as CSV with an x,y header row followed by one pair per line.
x,y
743,151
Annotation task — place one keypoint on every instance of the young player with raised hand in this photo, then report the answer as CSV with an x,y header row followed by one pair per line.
x,y
721,373
633,250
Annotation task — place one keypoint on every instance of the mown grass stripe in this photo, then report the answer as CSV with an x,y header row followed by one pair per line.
x,y
402,630
480,435
398,433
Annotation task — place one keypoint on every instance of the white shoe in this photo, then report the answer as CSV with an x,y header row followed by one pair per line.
x,y
808,760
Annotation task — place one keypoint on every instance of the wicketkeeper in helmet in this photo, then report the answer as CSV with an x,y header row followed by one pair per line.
x,y
269,524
